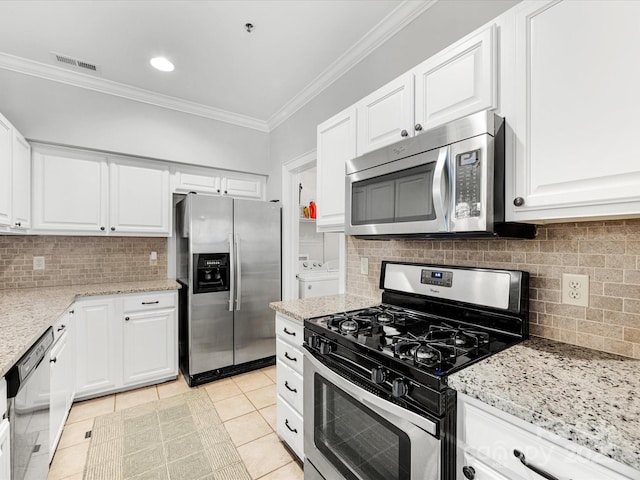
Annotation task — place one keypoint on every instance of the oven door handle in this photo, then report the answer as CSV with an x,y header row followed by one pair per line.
x,y
440,190
372,401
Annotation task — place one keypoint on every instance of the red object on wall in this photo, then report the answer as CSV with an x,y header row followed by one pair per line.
x,y
312,209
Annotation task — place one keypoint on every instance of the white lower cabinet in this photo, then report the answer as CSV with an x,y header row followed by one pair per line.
x,y
98,346
488,440
289,423
5,450
61,378
125,341
150,350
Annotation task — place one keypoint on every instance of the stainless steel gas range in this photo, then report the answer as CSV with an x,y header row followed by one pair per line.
x,y
377,404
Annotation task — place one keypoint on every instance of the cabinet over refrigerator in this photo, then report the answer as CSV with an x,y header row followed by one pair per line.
x,y
228,263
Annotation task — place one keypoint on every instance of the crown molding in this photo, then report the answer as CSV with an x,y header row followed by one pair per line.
x,y
386,28
82,80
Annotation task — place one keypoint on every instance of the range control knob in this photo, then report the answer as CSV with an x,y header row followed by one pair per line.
x,y
399,387
313,341
469,472
378,375
326,348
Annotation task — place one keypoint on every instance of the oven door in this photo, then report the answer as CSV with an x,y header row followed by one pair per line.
x,y
407,196
350,433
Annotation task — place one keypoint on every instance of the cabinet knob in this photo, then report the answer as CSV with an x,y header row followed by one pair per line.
x,y
218,190
126,319
518,201
418,127
113,229
404,133
225,192
18,224
469,472
102,228
72,312
53,360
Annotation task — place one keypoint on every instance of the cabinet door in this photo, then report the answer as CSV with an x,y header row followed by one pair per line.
x,y
458,81
5,171
386,115
196,180
21,204
69,191
98,347
5,450
336,145
149,346
61,370
242,187
576,85
139,198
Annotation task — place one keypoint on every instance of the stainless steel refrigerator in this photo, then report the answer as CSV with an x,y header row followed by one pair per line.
x,y
229,266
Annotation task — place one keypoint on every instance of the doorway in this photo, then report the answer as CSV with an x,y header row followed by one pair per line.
x,y
300,237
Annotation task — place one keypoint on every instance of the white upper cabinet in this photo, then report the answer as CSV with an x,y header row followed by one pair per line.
x,y
188,179
336,145
69,191
386,115
458,81
21,174
139,197
5,171
575,120
15,179
82,192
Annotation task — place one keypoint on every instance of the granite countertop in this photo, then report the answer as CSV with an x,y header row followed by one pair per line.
x,y
25,314
589,397
316,306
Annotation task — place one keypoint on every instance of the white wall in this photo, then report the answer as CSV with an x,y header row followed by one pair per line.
x,y
438,27
50,111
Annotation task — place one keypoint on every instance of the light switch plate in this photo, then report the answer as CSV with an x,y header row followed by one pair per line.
x,y
38,263
364,266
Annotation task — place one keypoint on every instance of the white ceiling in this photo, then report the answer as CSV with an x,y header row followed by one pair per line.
x,y
296,49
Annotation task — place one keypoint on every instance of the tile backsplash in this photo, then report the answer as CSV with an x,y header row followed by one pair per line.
x,y
608,252
79,260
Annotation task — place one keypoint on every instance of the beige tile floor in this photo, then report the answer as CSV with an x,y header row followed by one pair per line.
x,y
245,403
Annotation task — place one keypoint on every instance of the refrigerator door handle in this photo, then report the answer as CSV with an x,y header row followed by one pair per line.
x,y
232,283
239,273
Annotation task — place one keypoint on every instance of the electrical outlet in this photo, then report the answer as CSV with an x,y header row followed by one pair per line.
x,y
364,266
153,259
575,289
38,263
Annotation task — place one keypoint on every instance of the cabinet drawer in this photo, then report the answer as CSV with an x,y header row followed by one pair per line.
x,y
289,355
493,437
289,386
149,301
289,330
289,425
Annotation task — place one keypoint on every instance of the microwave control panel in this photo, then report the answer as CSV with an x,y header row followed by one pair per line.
x,y
468,177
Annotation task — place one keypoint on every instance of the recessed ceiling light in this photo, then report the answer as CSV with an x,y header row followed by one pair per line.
x,y
162,64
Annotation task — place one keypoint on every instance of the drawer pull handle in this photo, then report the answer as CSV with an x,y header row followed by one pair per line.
x,y
286,422
294,390
520,456
288,332
61,327
151,303
293,359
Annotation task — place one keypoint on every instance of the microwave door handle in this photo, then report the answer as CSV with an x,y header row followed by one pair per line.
x,y
441,190
232,273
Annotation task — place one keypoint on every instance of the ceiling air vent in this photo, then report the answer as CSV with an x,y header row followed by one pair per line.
x,y
75,63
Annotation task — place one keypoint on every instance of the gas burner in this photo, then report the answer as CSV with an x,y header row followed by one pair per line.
x,y
349,326
384,318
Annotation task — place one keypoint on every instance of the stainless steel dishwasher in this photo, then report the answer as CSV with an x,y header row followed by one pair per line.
x,y
29,396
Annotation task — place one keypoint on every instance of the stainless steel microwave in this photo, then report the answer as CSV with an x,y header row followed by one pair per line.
x,y
445,182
